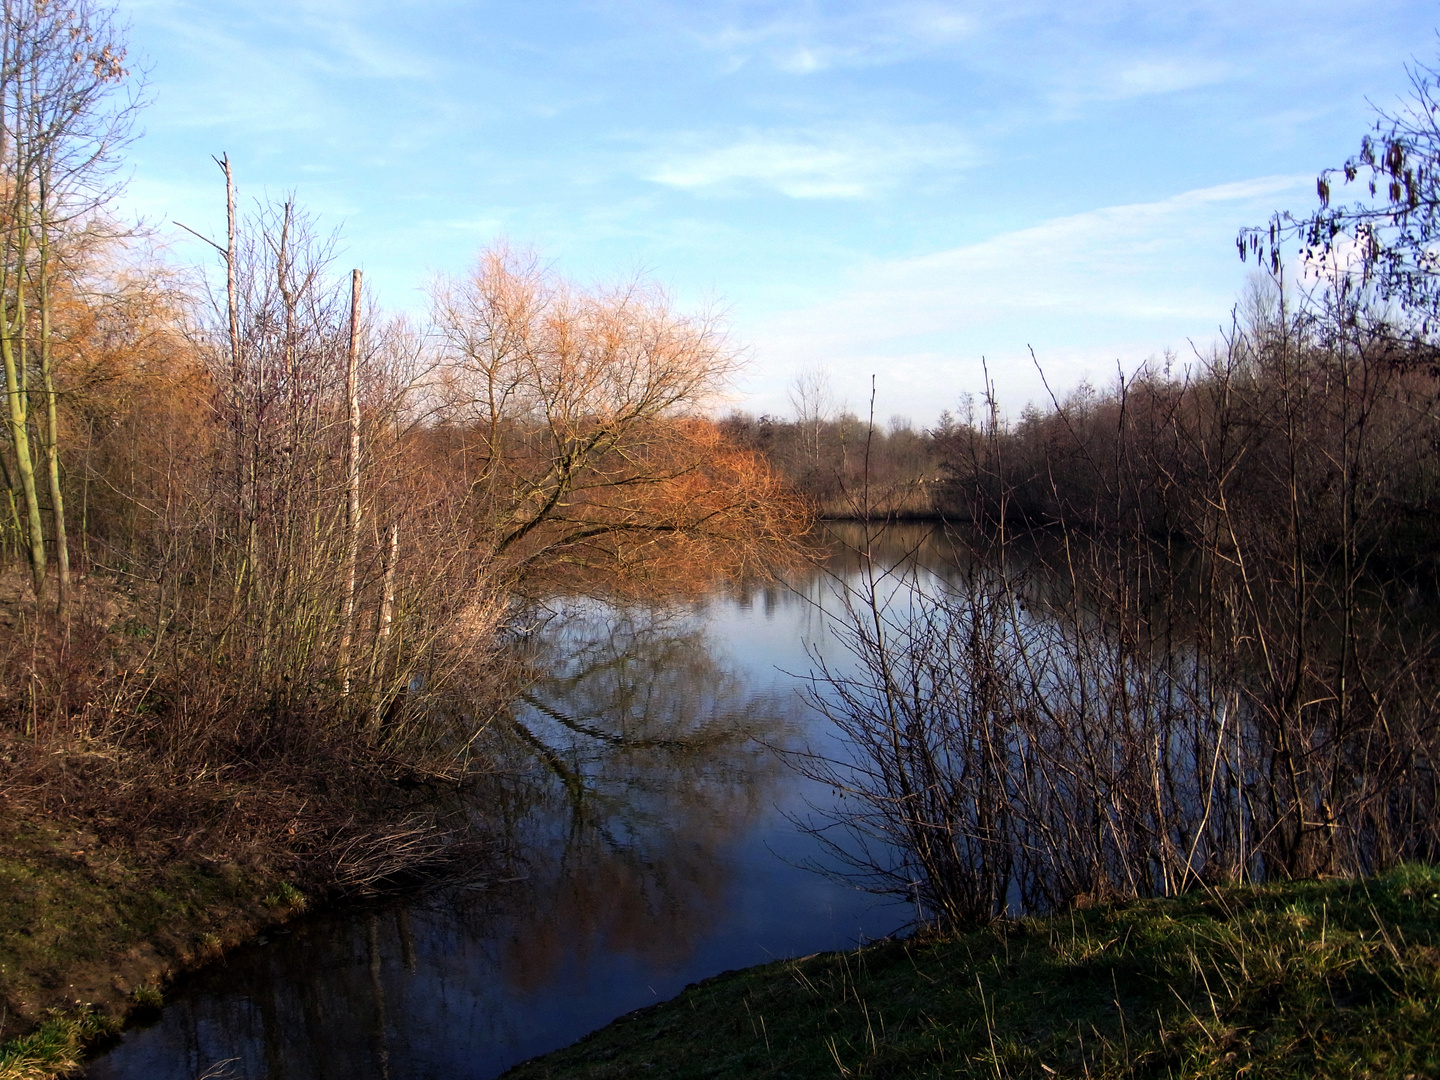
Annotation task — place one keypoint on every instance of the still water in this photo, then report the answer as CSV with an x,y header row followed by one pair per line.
x,y
656,828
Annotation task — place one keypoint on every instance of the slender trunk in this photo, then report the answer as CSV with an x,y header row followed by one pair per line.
x,y
237,393
52,422
14,519
18,420
12,346
352,508
57,499
382,629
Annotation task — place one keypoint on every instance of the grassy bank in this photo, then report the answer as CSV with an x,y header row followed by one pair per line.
x,y
90,925
1337,978
92,929
107,892
89,936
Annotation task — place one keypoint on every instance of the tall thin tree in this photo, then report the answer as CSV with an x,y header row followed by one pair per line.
x,y
60,129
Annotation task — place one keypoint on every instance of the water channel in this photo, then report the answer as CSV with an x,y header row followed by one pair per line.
x,y
661,847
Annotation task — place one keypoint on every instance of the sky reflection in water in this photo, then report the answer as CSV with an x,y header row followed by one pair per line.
x,y
660,851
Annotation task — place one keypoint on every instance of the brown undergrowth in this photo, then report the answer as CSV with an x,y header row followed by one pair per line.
x,y
139,838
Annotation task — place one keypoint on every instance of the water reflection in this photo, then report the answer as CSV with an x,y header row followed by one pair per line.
x,y
634,783
654,767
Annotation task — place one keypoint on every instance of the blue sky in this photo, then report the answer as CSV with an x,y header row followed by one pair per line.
x,y
886,188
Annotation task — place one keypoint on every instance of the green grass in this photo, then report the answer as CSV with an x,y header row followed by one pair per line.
x,y
1313,979
55,1047
287,896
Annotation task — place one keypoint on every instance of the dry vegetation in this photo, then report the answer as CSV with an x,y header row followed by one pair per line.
x,y
845,467
1192,639
259,544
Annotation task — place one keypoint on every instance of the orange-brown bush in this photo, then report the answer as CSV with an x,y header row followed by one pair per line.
x,y
576,418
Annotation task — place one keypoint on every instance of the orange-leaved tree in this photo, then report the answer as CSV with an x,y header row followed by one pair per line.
x,y
575,417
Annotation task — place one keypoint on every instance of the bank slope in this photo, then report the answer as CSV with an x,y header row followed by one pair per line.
x,y
1334,978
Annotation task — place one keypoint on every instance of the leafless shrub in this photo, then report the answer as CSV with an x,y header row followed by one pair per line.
x,y
1200,667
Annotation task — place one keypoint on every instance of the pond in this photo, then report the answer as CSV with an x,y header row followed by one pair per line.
x,y
657,829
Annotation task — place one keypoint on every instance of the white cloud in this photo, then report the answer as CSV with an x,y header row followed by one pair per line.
x,y
332,36
266,68
1117,283
1100,262
850,163
1166,76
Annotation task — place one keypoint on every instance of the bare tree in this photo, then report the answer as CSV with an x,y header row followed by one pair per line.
x,y
352,478
1200,667
814,403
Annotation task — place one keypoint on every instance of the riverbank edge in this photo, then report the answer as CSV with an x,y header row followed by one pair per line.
x,y
1299,979
95,932
93,936
129,857
880,517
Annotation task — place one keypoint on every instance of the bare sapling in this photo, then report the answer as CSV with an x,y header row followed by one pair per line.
x,y
61,126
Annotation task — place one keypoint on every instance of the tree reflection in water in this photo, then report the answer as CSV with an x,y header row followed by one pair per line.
x,y
632,783
656,763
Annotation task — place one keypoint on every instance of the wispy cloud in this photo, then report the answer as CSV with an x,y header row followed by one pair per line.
x,y
261,67
1102,262
785,152
839,163
1141,77
1107,283
804,39
330,36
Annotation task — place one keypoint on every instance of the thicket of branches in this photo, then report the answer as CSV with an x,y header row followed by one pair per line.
x,y
1193,637
547,432
1192,640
